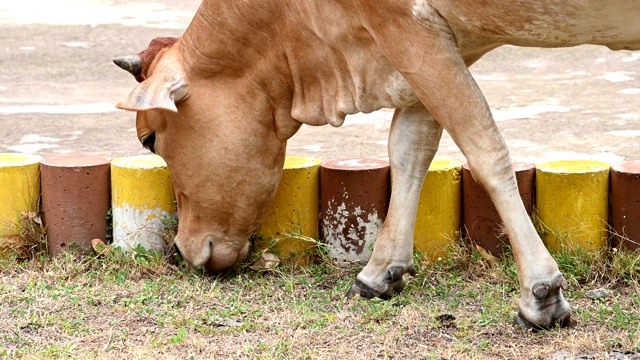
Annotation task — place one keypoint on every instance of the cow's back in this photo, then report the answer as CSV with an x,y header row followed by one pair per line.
x,y
546,23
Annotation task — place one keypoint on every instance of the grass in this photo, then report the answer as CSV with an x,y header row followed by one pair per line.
x,y
30,239
145,305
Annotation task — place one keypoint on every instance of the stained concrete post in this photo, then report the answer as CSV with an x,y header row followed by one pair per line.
x,y
354,199
76,198
142,197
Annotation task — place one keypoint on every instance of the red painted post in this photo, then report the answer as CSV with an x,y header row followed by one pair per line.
x,y
480,217
354,199
625,205
76,197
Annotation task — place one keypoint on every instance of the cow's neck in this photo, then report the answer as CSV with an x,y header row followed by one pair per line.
x,y
336,67
313,59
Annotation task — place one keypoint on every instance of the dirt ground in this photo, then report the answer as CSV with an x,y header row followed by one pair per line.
x,y
58,87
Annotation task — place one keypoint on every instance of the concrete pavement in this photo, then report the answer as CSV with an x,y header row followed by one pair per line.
x,y
58,87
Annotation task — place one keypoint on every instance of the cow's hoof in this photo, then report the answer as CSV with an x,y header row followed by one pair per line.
x,y
526,325
392,282
545,306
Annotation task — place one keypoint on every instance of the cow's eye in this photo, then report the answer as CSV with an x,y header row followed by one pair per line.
x,y
149,141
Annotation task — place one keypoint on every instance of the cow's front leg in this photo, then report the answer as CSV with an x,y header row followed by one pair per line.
x,y
424,49
413,142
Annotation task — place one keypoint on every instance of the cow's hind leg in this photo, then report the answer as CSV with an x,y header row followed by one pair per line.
x,y
432,64
413,142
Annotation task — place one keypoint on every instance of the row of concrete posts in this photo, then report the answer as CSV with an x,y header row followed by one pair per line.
x,y
342,202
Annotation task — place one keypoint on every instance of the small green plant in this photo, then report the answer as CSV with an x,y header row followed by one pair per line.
x,y
170,229
146,257
109,235
169,233
178,338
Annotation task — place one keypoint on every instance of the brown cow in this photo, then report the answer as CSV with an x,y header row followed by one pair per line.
x,y
220,103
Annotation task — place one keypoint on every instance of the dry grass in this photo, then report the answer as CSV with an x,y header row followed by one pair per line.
x,y
30,240
140,305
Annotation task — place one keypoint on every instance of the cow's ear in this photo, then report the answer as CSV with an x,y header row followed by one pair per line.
x,y
162,90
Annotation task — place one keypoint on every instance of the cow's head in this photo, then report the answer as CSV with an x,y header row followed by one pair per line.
x,y
216,131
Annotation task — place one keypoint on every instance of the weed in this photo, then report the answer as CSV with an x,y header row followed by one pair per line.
x,y
170,230
625,266
179,337
30,241
109,236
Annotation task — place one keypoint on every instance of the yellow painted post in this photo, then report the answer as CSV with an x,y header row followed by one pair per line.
x,y
439,218
291,222
19,193
142,196
572,201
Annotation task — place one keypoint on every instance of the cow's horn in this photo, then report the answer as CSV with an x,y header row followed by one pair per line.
x,y
131,63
